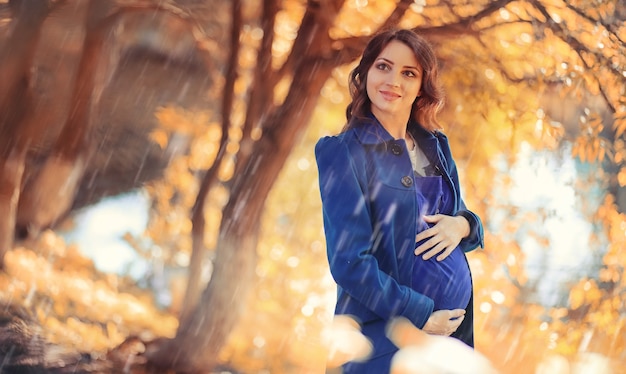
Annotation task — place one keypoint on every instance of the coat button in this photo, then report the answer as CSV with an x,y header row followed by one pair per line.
x,y
396,149
407,181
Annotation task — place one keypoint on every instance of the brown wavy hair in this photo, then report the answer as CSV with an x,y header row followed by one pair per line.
x,y
426,106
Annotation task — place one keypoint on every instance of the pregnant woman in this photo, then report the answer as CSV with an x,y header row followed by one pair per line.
x,y
396,227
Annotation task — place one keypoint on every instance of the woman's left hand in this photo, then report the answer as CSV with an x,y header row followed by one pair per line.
x,y
444,236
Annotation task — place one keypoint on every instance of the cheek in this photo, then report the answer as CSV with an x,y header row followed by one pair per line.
x,y
419,86
416,89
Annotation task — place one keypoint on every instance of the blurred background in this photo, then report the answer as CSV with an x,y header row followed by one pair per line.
x,y
194,160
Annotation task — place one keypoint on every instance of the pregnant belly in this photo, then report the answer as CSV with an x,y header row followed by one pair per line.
x,y
447,282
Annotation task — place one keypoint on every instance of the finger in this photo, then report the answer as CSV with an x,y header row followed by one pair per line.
x,y
429,244
425,246
456,313
433,218
457,323
425,234
433,251
445,253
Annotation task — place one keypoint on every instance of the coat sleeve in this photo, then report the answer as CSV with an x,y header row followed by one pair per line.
x,y
349,239
476,235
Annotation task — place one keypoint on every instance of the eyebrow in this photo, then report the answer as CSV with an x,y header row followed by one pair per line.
x,y
392,63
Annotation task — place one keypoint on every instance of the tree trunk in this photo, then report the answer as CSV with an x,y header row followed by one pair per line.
x,y
54,188
200,338
16,58
196,262
11,172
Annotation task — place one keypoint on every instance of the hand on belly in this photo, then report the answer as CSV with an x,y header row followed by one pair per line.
x,y
448,283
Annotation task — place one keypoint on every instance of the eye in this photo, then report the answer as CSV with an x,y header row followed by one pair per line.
x,y
410,74
383,66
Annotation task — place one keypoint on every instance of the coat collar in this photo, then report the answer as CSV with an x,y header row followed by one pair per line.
x,y
370,131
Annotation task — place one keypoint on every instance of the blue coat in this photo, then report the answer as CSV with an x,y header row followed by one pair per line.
x,y
370,212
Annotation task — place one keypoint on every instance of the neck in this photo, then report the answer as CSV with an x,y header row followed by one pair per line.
x,y
395,125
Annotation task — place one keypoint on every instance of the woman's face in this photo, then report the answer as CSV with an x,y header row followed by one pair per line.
x,y
394,81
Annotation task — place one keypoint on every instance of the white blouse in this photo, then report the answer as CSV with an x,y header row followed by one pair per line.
x,y
418,159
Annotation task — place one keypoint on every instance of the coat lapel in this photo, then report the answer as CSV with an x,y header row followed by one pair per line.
x,y
428,143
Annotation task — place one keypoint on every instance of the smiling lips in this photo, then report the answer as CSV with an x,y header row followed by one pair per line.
x,y
389,96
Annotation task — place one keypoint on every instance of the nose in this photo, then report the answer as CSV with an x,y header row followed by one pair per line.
x,y
394,80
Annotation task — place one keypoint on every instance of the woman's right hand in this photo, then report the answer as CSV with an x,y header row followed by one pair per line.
x,y
444,322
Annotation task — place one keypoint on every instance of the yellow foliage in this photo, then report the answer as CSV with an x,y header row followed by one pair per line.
x,y
160,137
621,176
177,120
77,305
576,298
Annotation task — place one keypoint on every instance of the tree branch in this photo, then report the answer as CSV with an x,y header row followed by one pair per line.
x,y
502,65
233,63
464,26
347,49
396,15
319,15
609,27
208,181
577,45
261,92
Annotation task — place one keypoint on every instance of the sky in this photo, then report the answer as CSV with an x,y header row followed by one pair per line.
x,y
99,231
544,185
